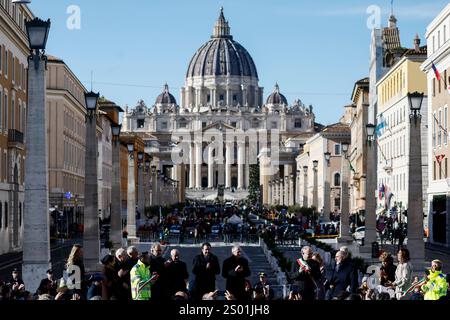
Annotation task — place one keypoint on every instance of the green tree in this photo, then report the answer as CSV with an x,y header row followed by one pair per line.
x,y
254,186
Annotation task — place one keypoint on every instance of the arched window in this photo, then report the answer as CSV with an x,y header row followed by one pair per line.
x,y
337,179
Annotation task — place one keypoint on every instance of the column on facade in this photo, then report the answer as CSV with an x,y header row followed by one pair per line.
x,y
286,190
315,190
116,203
131,202
326,193
228,163
344,216
241,164
211,96
141,194
244,96
210,166
188,96
305,189
291,190
275,191
198,164
174,173
191,166
247,168
228,96
269,197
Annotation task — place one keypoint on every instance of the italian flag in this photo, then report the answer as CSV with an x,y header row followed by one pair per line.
x,y
303,265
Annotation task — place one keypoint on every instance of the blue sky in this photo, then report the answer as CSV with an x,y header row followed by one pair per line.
x,y
316,50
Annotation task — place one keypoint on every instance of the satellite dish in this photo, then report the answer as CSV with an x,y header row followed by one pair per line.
x,y
21,1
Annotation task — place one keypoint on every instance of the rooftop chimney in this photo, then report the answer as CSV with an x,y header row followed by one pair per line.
x,y
417,43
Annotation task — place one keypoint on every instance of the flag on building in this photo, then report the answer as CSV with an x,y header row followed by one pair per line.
x,y
380,126
436,72
381,192
440,157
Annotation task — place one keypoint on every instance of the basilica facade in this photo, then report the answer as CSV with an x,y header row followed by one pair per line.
x,y
221,95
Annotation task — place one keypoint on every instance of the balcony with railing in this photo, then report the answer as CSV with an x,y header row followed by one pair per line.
x,y
15,139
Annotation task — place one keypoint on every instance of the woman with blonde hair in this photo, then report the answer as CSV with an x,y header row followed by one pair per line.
x,y
76,260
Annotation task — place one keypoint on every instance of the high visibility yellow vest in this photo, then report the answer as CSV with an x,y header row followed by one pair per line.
x,y
436,287
139,274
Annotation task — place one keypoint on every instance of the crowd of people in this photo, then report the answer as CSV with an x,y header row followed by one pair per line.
x,y
133,275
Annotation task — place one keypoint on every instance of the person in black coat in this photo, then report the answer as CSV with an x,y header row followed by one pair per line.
x,y
309,276
177,274
205,268
344,275
235,269
157,264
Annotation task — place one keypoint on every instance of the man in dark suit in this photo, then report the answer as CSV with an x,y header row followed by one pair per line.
x,y
235,269
344,276
176,272
205,268
308,276
157,264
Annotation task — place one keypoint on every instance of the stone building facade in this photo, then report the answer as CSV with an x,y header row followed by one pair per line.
x,y
221,98
14,52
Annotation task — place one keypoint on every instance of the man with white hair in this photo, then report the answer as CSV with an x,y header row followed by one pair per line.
x,y
235,269
308,276
344,277
176,274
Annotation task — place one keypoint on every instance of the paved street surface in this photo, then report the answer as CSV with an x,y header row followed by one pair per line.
x,y
59,254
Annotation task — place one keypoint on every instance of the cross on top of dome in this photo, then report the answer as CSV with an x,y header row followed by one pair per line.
x,y
221,29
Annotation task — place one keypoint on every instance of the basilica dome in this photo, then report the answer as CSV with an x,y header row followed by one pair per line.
x,y
222,56
277,97
166,97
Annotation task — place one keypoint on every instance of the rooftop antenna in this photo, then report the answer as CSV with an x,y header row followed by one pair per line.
x,y
92,80
392,7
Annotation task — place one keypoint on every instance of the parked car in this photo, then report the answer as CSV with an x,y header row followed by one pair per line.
x,y
359,233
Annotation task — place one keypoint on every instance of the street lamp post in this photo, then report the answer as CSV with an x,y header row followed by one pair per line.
x,y
140,184
305,186
131,197
91,235
116,202
291,190
326,198
370,236
415,197
36,236
154,186
315,189
147,183
344,234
